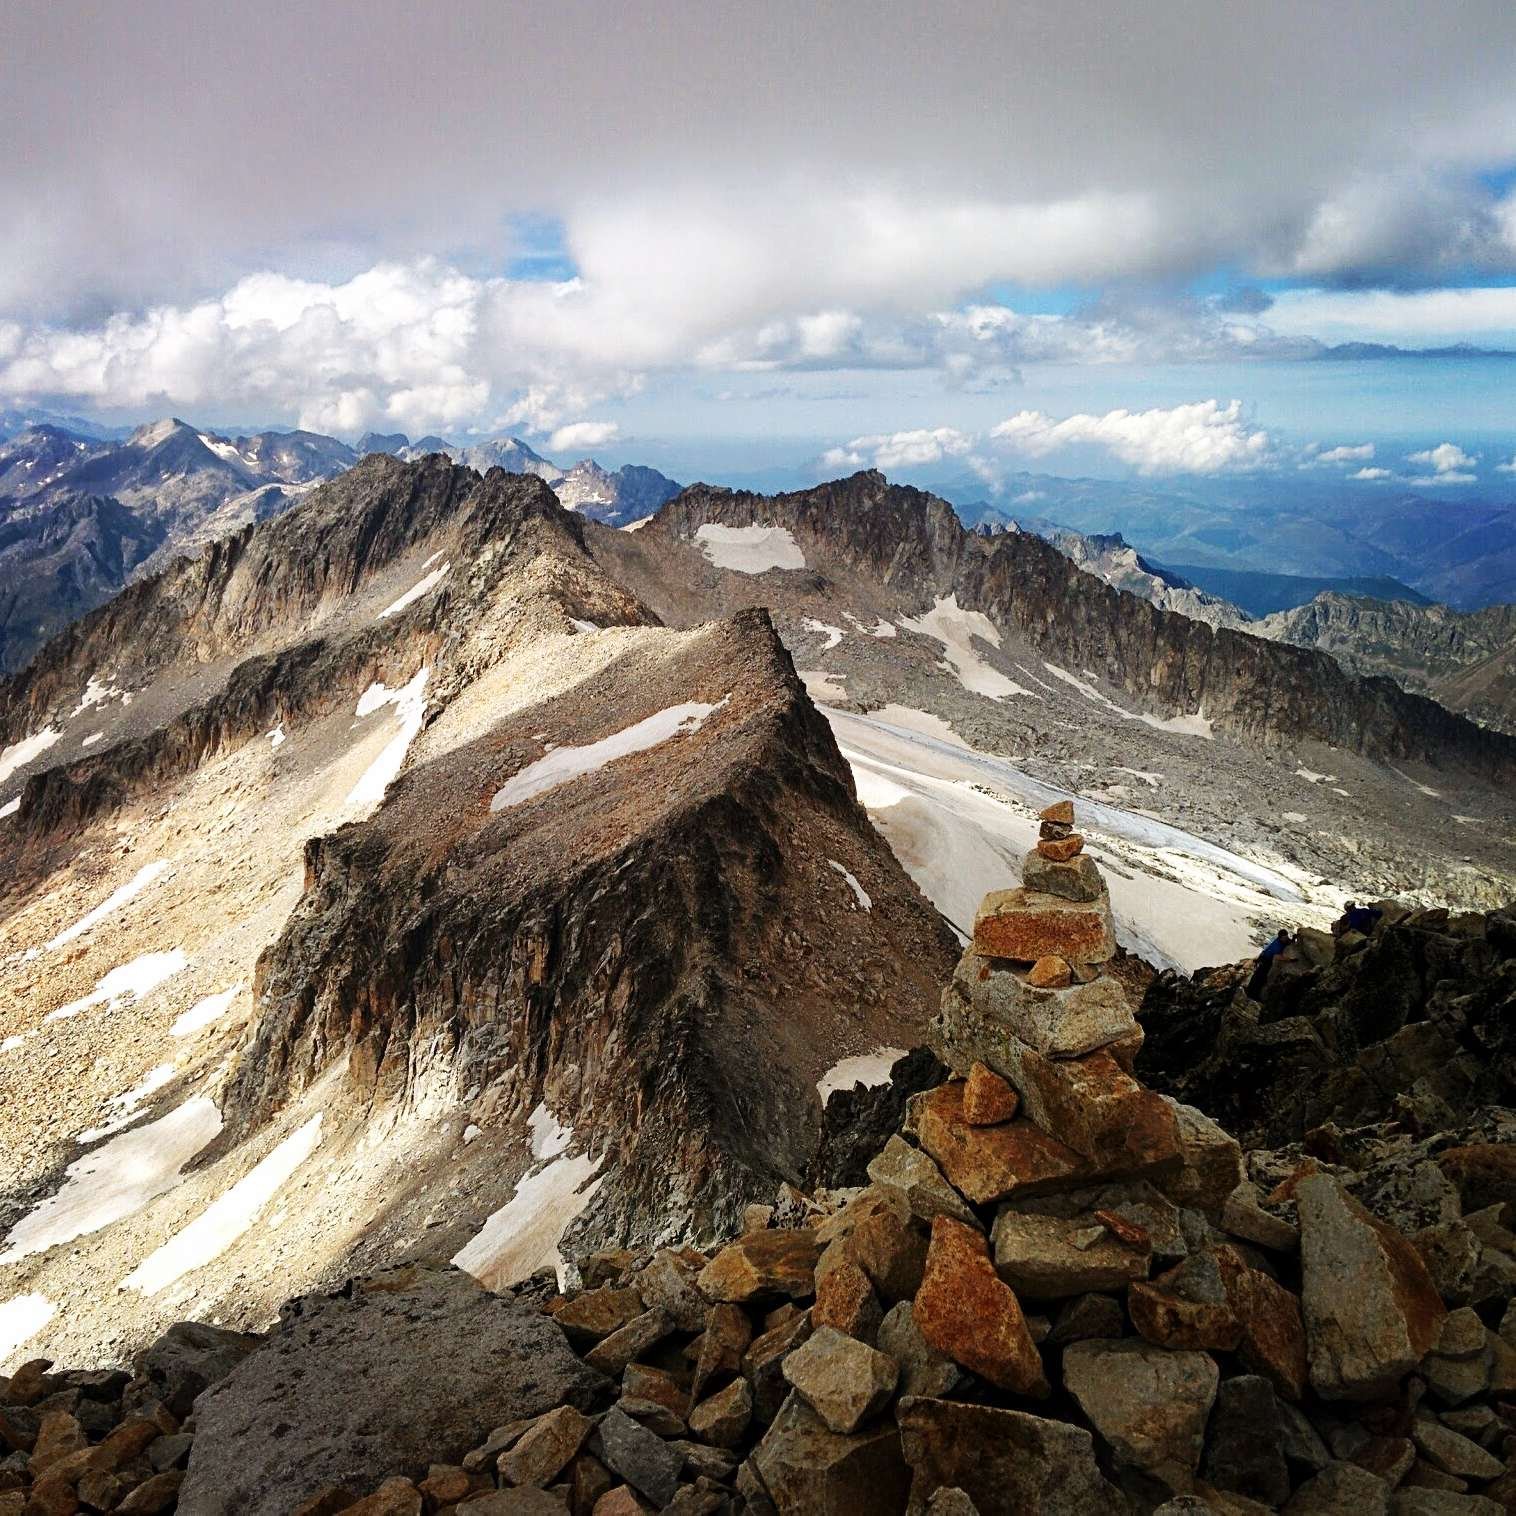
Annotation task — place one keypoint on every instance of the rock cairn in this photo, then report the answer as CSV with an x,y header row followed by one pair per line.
x,y
1059,1293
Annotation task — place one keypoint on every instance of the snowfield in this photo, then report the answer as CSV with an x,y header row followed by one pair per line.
x,y
562,764
524,1233
19,754
415,592
116,1180
21,1318
956,630
410,706
750,549
130,982
868,1069
112,902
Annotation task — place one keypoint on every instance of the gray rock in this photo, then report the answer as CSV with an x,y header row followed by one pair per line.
x,y
1087,1317
1150,1405
185,1360
408,1368
915,1183
1244,1451
622,1347
953,1502
512,1503
1338,1489
1452,1452
1370,1310
668,1284
1301,1444
1049,1258
1008,1463
844,1381
1422,1502
1243,1216
923,1370
1078,879
645,1461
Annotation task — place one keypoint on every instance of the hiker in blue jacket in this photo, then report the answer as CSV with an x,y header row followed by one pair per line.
x,y
1357,918
1265,963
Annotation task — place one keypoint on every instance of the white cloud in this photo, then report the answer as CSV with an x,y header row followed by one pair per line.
x,y
1446,458
1410,318
583,434
1205,437
1433,481
1368,474
900,450
1360,454
1506,468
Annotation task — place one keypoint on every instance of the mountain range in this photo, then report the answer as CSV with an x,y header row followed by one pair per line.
x,y
82,514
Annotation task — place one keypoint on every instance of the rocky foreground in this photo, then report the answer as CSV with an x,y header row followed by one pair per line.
x,y
1059,1291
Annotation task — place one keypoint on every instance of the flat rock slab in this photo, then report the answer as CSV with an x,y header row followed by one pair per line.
x,y
1050,1258
409,1368
1026,925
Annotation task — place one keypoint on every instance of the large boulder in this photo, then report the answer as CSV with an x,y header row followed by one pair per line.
x,y
387,1376
1371,1312
1008,1463
189,1357
809,1470
1150,1405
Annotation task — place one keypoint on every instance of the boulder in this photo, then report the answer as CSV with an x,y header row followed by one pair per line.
x,y
643,1459
1338,1489
1187,1307
989,1163
1122,1128
187,1358
612,1354
1452,1452
669,1284
1371,1312
916,1183
1049,1258
1273,1341
723,1418
595,1314
1077,879
1149,1405
778,1261
1210,1167
923,1370
1024,925
728,1335
991,1004
964,1310
542,1452
763,1364
1087,1317
987,1099
1059,813
807,1469
1007,1462
332,1396
844,1381
891,1250
1244,1451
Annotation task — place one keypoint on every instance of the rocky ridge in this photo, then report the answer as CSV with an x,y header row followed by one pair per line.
x,y
1057,1290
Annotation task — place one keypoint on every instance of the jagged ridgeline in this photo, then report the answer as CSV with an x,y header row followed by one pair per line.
x,y
435,889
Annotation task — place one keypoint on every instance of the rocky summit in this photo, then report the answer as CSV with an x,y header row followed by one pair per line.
x,y
1059,1291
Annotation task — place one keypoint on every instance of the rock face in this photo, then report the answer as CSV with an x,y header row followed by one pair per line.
x,y
331,1397
1417,1017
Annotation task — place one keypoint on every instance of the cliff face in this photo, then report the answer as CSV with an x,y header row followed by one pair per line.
x,y
668,946
1268,693
1464,660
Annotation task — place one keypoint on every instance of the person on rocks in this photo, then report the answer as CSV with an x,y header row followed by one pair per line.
x,y
1265,963
1357,918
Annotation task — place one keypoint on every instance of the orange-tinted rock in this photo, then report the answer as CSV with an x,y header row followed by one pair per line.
x,y
845,1299
1273,1330
989,1163
780,1261
1026,926
1061,849
987,1098
966,1311
1050,973
1186,1308
1129,1232
891,1251
727,1336
1059,810
1100,1111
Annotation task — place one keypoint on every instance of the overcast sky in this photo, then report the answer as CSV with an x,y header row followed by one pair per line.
x,y
590,222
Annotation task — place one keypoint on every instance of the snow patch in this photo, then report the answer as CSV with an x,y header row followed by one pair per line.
x,y
868,1069
833,634
638,524
549,1138
129,983
422,587
116,1180
583,626
92,739
126,1105
525,1232
880,628
410,706
276,738
1311,777
217,1227
821,685
956,630
97,691
204,1011
566,763
10,807
21,1318
19,754
1185,726
750,549
112,902
1148,778
10,1044
857,889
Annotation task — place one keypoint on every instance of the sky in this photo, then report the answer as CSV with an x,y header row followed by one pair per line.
x,y
731,239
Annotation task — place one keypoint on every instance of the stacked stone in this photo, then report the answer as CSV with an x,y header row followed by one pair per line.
x,y
1031,1002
